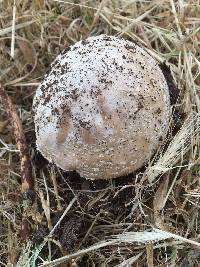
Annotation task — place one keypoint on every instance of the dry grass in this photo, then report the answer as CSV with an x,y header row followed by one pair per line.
x,y
98,215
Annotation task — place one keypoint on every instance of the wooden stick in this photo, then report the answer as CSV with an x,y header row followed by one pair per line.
x,y
27,182
26,177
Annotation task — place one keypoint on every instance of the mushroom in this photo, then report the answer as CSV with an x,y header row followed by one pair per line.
x,y
102,109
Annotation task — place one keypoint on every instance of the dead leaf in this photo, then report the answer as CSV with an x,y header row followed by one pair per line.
x,y
159,201
27,50
160,195
30,58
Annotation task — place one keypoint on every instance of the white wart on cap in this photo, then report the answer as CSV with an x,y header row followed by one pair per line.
x,y
102,109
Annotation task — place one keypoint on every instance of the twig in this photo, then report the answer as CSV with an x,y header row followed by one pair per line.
x,y
27,182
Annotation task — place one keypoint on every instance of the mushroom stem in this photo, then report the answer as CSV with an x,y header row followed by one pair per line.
x,y
27,182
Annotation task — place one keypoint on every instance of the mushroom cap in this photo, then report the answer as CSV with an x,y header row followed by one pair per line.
x,y
102,109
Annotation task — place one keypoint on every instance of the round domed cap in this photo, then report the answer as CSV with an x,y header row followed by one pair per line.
x,y
102,109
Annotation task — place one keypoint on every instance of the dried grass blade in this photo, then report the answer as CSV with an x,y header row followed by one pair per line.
x,y
176,149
